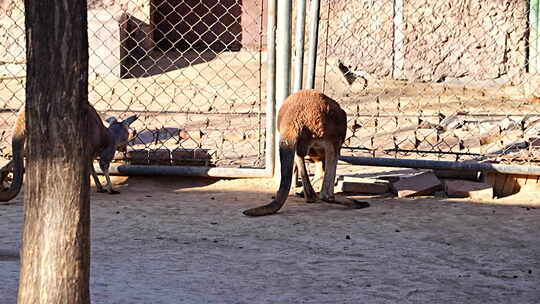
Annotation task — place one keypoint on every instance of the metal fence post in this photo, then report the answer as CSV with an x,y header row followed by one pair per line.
x,y
533,35
283,61
313,41
299,45
271,89
399,27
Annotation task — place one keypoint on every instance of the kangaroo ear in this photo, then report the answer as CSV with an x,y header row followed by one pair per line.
x,y
111,120
128,121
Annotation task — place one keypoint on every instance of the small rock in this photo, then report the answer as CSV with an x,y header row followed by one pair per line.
x,y
421,184
363,185
463,188
347,237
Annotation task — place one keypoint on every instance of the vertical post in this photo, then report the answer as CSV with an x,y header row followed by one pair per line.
x,y
283,61
533,35
313,41
271,87
399,56
55,253
299,44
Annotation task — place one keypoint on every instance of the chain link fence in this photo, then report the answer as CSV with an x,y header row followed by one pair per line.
x,y
449,80
192,70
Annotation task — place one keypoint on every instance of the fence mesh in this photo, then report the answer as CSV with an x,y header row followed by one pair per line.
x,y
449,79
192,70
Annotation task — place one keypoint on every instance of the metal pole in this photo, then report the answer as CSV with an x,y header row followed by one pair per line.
x,y
283,51
270,149
149,170
283,62
299,44
313,41
533,35
399,37
438,164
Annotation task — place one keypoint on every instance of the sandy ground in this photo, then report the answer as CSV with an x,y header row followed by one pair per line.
x,y
185,240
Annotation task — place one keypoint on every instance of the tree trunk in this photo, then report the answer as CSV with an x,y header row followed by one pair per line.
x,y
55,256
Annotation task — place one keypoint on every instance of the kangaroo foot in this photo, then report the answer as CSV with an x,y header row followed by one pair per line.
x,y
101,190
113,192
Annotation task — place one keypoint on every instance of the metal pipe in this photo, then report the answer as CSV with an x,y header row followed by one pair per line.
x,y
283,51
145,170
299,44
438,164
399,37
534,6
283,62
270,149
313,41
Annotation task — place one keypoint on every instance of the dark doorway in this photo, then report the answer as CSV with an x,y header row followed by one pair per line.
x,y
197,24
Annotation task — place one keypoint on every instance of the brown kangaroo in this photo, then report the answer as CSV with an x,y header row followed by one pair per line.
x,y
309,123
103,143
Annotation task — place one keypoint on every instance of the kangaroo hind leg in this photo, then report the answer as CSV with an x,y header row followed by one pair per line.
x,y
96,179
330,167
309,194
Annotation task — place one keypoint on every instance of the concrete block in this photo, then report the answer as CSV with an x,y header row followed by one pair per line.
x,y
137,157
503,184
363,185
422,184
534,142
457,174
159,157
464,188
196,157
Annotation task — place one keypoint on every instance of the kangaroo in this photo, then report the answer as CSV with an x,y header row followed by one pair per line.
x,y
103,142
309,123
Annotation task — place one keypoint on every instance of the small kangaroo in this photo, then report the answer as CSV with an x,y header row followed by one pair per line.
x,y
309,123
103,143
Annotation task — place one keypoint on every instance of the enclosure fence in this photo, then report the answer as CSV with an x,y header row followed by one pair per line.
x,y
450,80
191,69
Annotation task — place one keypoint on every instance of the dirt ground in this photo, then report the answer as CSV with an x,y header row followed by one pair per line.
x,y
185,240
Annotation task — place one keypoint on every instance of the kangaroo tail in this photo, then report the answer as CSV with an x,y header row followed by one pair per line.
x,y
17,144
286,157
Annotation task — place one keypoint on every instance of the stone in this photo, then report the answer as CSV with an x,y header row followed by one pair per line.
x,y
457,174
159,157
421,184
199,157
503,184
363,185
137,157
465,188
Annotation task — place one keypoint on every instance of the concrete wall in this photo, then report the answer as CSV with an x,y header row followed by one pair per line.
x,y
360,34
481,39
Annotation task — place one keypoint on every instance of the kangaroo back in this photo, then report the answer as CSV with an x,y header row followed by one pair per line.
x,y
308,115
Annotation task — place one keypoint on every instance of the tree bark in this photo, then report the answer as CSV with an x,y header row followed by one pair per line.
x,y
55,254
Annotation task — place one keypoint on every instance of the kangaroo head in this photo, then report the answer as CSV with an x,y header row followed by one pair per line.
x,y
119,130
